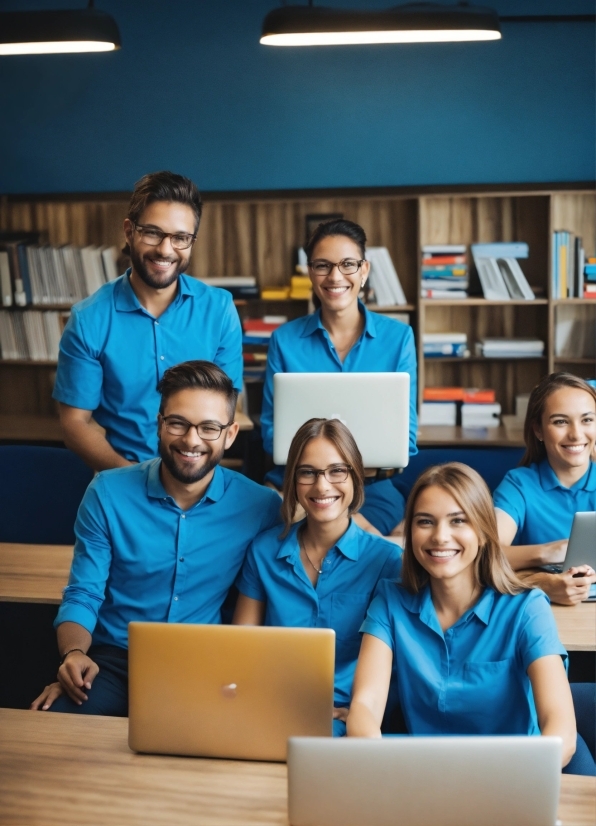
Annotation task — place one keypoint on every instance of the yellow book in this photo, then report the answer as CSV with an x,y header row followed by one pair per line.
x,y
563,271
301,282
275,293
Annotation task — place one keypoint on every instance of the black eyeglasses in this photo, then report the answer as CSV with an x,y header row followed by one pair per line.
x,y
347,266
334,474
209,431
153,237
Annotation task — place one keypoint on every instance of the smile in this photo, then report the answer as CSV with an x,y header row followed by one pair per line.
x,y
328,500
574,448
190,454
448,554
162,265
336,290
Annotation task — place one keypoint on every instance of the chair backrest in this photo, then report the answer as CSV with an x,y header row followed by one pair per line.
x,y
40,492
491,463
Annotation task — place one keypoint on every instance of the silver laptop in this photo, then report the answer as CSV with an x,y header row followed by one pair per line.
x,y
374,406
227,690
421,781
581,548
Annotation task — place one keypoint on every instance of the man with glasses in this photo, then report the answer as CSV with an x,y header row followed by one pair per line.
x,y
119,341
160,541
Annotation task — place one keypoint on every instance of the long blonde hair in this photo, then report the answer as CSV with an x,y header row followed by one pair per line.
x,y
468,488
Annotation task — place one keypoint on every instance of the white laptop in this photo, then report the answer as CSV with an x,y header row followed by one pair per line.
x,y
424,781
374,406
232,691
581,548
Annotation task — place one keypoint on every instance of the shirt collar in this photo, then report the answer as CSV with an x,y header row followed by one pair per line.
x,y
314,322
421,603
347,544
550,481
126,300
156,490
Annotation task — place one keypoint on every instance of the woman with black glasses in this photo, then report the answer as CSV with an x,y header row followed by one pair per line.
x,y
342,336
320,572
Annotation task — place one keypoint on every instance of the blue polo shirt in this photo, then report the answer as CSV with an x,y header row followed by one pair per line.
x,y
273,573
113,353
472,678
138,556
541,507
304,346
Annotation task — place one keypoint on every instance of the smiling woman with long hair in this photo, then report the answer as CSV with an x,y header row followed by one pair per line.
x,y
473,650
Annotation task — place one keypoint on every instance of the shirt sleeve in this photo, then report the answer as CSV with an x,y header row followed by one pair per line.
x,y
407,364
272,513
392,567
274,365
79,377
229,351
378,618
508,497
538,633
249,582
84,594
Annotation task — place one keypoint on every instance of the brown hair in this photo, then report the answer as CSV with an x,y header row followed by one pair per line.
x,y
163,186
201,375
338,434
535,450
470,491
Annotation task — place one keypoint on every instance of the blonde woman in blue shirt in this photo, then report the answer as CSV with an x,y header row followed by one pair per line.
x,y
473,651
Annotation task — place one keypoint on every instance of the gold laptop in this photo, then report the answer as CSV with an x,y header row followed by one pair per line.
x,y
228,690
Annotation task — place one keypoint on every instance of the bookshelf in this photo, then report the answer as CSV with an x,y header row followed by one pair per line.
x,y
256,233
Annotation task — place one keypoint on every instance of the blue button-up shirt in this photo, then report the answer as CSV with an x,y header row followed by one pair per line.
x,y
113,353
273,573
138,556
304,346
471,678
541,507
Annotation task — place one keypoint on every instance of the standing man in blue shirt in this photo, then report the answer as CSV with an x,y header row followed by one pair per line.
x,y
160,541
119,342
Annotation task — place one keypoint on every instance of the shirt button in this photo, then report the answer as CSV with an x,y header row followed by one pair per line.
x,y
181,559
175,599
183,516
156,323
162,358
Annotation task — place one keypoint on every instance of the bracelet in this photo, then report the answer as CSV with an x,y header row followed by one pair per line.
x,y
70,650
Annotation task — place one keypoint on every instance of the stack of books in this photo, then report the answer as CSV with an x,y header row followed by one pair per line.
x,y
31,335
469,407
241,286
300,287
42,275
444,271
590,278
569,266
441,345
499,272
383,282
510,348
260,330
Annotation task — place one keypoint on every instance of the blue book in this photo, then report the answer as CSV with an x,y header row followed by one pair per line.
x,y
590,269
505,249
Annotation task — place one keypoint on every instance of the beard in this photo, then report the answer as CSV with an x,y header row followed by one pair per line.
x,y
154,281
189,475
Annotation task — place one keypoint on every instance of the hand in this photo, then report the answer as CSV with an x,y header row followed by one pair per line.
x,y
77,673
341,714
571,586
46,698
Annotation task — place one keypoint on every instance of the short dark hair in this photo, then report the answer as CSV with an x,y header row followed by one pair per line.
x,y
199,375
163,186
338,434
535,450
338,226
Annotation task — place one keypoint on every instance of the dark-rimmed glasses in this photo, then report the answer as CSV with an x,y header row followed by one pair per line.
x,y
153,237
347,266
209,431
334,474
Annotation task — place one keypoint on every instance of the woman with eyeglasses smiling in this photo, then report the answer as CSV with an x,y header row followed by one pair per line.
x,y
320,572
342,336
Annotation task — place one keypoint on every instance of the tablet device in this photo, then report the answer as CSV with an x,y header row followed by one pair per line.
x,y
227,690
421,781
374,406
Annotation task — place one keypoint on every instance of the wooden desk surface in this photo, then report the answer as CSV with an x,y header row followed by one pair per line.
x,y
447,436
65,770
577,625
33,573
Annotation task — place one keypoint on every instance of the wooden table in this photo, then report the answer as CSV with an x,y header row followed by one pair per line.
x,y
452,436
65,770
577,625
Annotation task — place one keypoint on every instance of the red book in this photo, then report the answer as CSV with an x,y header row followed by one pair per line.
x,y
257,325
443,394
444,259
473,396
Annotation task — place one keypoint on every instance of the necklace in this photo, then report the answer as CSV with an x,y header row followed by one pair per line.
x,y
312,564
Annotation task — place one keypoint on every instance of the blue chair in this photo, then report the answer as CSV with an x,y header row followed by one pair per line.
x,y
491,463
40,492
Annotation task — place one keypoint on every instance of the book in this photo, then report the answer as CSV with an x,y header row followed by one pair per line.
x,y
275,293
480,415
469,395
443,249
445,344
434,260
426,293
383,278
438,413
501,249
510,348
5,282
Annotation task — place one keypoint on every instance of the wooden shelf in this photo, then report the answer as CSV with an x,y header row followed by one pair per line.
x,y
575,360
61,307
395,308
481,302
577,302
480,359
28,363
446,435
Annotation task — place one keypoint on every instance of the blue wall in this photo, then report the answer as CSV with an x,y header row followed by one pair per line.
x,y
192,90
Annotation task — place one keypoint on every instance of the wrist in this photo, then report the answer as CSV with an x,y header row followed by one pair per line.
x,y
70,651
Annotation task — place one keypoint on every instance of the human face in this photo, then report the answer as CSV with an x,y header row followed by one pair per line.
x,y
324,502
160,266
568,428
443,541
189,458
337,291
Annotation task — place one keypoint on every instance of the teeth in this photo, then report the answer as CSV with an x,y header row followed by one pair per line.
x,y
574,448
325,501
336,289
189,453
443,554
